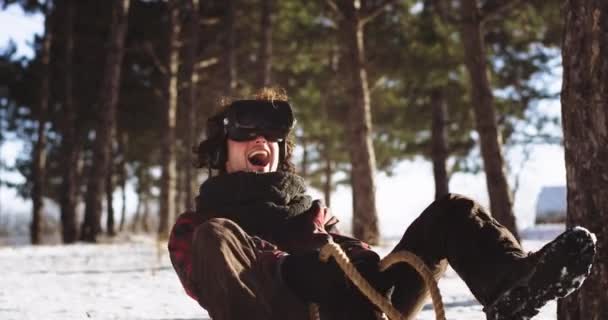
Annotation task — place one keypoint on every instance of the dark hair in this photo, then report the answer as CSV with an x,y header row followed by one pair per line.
x,y
212,151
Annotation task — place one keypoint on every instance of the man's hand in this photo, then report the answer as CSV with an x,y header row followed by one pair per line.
x,y
324,282
311,279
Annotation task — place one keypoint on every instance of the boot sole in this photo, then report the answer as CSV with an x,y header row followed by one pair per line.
x,y
562,267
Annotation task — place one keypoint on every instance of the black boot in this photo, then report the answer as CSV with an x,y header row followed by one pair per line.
x,y
555,271
458,230
509,282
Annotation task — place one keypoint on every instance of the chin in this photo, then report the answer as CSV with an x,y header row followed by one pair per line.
x,y
259,169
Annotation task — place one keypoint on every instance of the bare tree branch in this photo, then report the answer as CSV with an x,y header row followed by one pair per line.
x,y
496,8
334,7
186,84
374,11
209,21
206,63
159,65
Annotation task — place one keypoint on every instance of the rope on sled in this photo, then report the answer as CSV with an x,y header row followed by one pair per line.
x,y
332,249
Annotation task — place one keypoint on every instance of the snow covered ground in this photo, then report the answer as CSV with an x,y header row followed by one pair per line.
x,y
135,280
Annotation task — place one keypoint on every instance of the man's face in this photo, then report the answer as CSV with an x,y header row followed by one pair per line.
x,y
257,155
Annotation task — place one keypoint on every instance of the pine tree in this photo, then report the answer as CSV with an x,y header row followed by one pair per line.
x,y
168,156
501,199
353,15
70,144
40,154
585,122
108,101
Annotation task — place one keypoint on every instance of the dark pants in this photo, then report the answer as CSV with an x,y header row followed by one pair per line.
x,y
234,284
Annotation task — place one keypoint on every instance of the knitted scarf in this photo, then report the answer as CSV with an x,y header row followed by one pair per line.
x,y
260,203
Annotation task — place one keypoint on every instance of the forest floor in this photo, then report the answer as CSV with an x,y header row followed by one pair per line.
x,y
133,279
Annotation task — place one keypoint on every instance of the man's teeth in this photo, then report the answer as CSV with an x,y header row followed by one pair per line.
x,y
255,153
259,157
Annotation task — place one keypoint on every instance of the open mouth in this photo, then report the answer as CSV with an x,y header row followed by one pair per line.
x,y
259,158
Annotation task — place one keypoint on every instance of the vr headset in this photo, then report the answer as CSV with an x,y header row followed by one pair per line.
x,y
245,120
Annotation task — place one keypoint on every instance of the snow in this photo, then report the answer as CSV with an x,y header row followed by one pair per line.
x,y
134,280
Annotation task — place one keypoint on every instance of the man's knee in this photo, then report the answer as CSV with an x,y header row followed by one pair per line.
x,y
454,200
220,244
456,205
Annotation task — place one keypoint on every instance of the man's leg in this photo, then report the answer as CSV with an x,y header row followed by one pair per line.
x,y
485,255
452,224
235,275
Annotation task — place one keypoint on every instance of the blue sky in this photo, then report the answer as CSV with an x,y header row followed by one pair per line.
x,y
399,198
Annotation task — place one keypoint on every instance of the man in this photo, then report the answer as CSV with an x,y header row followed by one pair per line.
x,y
250,250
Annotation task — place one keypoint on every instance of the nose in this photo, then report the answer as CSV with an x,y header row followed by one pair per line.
x,y
260,139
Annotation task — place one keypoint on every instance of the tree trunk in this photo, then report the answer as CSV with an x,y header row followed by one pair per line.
x,y
168,177
137,216
122,177
191,102
69,142
585,121
439,142
106,121
145,217
110,193
180,194
328,146
359,128
328,173
144,182
265,54
39,156
501,203
229,49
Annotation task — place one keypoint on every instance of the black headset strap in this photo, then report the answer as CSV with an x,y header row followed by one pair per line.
x,y
282,151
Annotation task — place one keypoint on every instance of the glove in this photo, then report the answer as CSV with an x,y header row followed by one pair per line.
x,y
355,304
324,282
311,279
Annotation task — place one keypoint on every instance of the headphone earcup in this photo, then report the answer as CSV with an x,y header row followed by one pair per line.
x,y
217,156
213,159
217,151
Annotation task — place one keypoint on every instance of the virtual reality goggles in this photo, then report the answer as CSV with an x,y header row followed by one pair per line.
x,y
247,119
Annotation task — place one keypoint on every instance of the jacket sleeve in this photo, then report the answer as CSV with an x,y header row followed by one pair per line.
x,y
180,248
